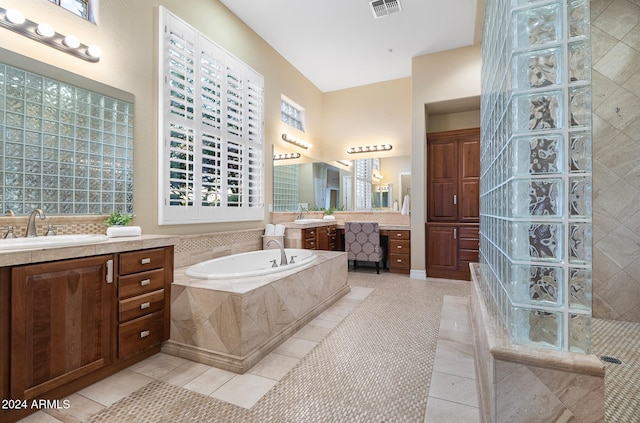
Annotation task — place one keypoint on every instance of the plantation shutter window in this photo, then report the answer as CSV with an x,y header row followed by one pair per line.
x,y
211,117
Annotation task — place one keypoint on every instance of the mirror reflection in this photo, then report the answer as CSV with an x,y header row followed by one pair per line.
x,y
342,185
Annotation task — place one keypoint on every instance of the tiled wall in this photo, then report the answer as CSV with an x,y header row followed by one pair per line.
x,y
615,35
535,222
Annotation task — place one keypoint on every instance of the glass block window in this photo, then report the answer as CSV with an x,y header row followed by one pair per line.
x,y
64,149
82,8
211,128
285,188
291,113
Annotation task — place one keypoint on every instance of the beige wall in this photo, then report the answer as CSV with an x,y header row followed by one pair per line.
x,y
453,121
368,115
388,112
126,31
436,78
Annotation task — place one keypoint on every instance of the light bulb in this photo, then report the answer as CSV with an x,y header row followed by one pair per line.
x,y
45,30
15,16
94,51
71,41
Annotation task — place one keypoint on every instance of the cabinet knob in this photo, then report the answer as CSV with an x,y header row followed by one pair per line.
x,y
145,333
145,305
145,282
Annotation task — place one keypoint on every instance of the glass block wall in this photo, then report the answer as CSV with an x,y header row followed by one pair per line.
x,y
63,149
285,188
535,248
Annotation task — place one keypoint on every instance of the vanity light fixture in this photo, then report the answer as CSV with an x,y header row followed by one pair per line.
x,y
14,20
285,156
369,148
297,142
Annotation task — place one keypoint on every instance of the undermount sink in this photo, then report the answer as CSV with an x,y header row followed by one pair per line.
x,y
303,221
49,241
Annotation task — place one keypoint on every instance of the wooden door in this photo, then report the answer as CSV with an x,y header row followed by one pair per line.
x,y
442,250
443,180
62,323
469,177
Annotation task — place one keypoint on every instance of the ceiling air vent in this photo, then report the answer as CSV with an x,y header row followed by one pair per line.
x,y
382,8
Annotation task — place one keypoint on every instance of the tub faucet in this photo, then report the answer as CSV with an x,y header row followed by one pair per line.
x,y
31,225
283,256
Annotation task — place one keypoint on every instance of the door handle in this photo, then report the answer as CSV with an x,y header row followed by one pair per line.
x,y
109,271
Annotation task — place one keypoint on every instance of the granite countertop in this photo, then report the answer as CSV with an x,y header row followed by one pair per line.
x,y
111,245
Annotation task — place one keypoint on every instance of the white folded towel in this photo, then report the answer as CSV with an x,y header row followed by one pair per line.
x,y
279,231
405,205
122,231
270,230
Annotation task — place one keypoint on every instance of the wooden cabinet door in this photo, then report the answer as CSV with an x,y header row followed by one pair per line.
x,y
443,180
62,323
442,249
469,176
322,238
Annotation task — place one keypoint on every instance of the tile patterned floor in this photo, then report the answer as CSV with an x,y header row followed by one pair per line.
x,y
452,394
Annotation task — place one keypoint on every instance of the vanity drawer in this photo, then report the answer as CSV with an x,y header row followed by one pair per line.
x,y
399,246
399,262
396,234
140,283
140,334
140,261
140,305
468,256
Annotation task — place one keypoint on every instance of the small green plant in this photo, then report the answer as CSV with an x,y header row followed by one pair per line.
x,y
329,211
118,219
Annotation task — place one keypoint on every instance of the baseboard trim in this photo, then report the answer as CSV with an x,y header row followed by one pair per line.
x,y
418,274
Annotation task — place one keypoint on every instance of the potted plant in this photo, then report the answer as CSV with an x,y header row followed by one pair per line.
x,y
118,219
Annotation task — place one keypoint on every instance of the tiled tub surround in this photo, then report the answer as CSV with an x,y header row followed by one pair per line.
x,y
234,329
520,383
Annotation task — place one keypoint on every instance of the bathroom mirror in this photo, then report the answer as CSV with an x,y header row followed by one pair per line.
x,y
317,185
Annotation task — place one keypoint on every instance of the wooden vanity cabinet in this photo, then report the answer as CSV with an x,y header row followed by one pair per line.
x,y
141,301
61,323
69,323
319,237
399,251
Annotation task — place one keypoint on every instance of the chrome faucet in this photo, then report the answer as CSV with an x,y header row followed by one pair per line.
x,y
301,215
31,226
283,256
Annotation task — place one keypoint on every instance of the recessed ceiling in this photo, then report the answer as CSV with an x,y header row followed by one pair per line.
x,y
340,44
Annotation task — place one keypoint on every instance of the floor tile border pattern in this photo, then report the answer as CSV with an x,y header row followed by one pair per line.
x,y
386,345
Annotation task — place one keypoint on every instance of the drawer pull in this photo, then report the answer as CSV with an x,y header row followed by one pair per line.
x,y
399,247
144,333
399,235
145,260
145,282
145,305
399,260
